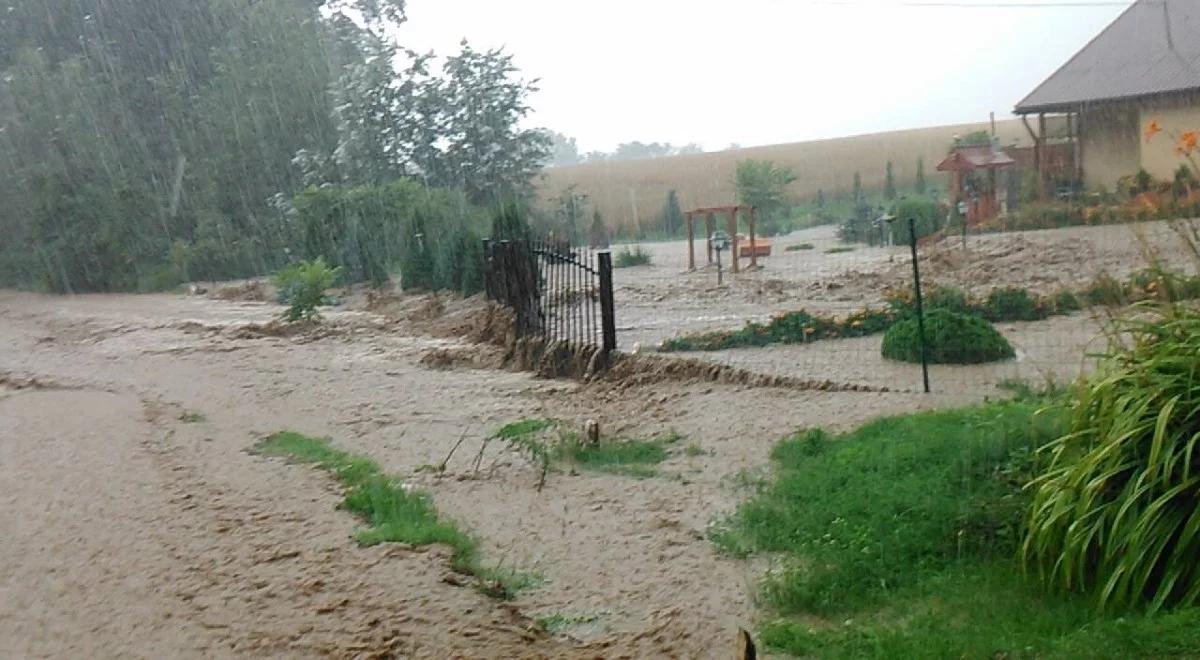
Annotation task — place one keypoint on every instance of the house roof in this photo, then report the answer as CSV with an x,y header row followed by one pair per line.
x,y
1152,48
966,159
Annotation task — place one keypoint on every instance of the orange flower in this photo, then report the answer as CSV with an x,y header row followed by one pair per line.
x,y
1188,141
1152,130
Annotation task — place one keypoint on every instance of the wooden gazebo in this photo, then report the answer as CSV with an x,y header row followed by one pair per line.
x,y
980,194
710,226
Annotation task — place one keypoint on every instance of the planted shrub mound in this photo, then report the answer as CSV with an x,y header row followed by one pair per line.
x,y
1116,514
952,339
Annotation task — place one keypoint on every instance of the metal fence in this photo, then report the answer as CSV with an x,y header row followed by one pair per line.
x,y
557,292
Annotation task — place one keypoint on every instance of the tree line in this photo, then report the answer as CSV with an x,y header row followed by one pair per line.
x,y
146,144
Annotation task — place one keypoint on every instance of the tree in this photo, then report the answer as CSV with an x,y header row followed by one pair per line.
x,y
921,186
762,185
858,189
672,214
563,150
481,104
889,184
570,209
820,199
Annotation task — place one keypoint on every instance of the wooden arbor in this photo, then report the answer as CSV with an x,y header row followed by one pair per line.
x,y
710,226
980,192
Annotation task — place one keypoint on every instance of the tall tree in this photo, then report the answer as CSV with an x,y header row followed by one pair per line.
x,y
889,183
858,189
672,214
762,184
921,185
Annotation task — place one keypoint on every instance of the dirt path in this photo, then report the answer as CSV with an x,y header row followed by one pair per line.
x,y
172,540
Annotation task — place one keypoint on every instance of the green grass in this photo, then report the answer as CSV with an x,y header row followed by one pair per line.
x,y
839,249
899,540
986,611
190,417
863,514
694,450
393,513
559,622
799,246
549,445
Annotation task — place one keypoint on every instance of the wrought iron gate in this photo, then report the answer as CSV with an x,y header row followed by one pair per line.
x,y
557,292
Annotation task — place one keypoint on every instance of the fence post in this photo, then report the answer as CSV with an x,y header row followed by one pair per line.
x,y
607,308
487,269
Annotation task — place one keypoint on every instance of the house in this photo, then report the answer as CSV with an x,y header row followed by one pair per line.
x,y
1143,67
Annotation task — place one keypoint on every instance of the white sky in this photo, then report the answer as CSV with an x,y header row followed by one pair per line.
x,y
755,72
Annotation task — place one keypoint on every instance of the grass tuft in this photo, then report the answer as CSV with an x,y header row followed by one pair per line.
x,y
799,246
633,458
395,513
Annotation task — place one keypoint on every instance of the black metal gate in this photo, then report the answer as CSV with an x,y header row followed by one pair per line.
x,y
557,292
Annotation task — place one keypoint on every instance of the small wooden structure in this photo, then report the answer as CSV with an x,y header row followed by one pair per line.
x,y
980,193
710,226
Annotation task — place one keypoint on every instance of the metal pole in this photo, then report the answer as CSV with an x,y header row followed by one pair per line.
x,y
912,232
719,267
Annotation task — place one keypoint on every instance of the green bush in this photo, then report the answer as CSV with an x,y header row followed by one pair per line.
x,y
798,247
951,339
921,209
1106,290
1116,514
1066,302
627,258
949,298
302,288
1013,304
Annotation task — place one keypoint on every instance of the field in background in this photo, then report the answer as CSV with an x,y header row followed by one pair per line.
x,y
631,194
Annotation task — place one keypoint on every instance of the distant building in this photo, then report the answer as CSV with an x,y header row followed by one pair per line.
x,y
1143,67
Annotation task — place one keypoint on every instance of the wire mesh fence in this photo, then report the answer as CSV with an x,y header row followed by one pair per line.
x,y
1002,309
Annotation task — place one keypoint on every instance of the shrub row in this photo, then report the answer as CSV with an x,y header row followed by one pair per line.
x,y
1005,304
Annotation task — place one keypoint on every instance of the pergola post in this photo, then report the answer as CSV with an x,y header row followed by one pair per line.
x,y
709,227
733,238
691,229
753,243
1042,156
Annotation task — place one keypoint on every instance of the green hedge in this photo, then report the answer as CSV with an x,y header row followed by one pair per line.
x,y
951,339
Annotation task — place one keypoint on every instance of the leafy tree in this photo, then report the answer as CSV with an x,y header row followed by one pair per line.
x,y
761,184
889,184
481,106
672,214
570,210
563,150
921,185
302,287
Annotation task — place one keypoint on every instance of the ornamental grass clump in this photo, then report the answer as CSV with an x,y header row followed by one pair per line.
x,y
1117,512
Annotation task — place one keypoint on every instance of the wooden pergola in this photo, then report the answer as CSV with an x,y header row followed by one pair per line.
x,y
710,226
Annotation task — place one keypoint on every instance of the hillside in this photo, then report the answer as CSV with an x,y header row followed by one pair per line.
x,y
635,190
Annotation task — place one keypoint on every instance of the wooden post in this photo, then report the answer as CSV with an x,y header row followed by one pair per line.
x,y
691,227
1041,156
733,239
753,243
709,227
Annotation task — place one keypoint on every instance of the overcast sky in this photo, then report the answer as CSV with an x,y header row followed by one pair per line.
x,y
756,72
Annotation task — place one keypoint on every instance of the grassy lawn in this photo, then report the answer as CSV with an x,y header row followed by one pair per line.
x,y
899,540
393,512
